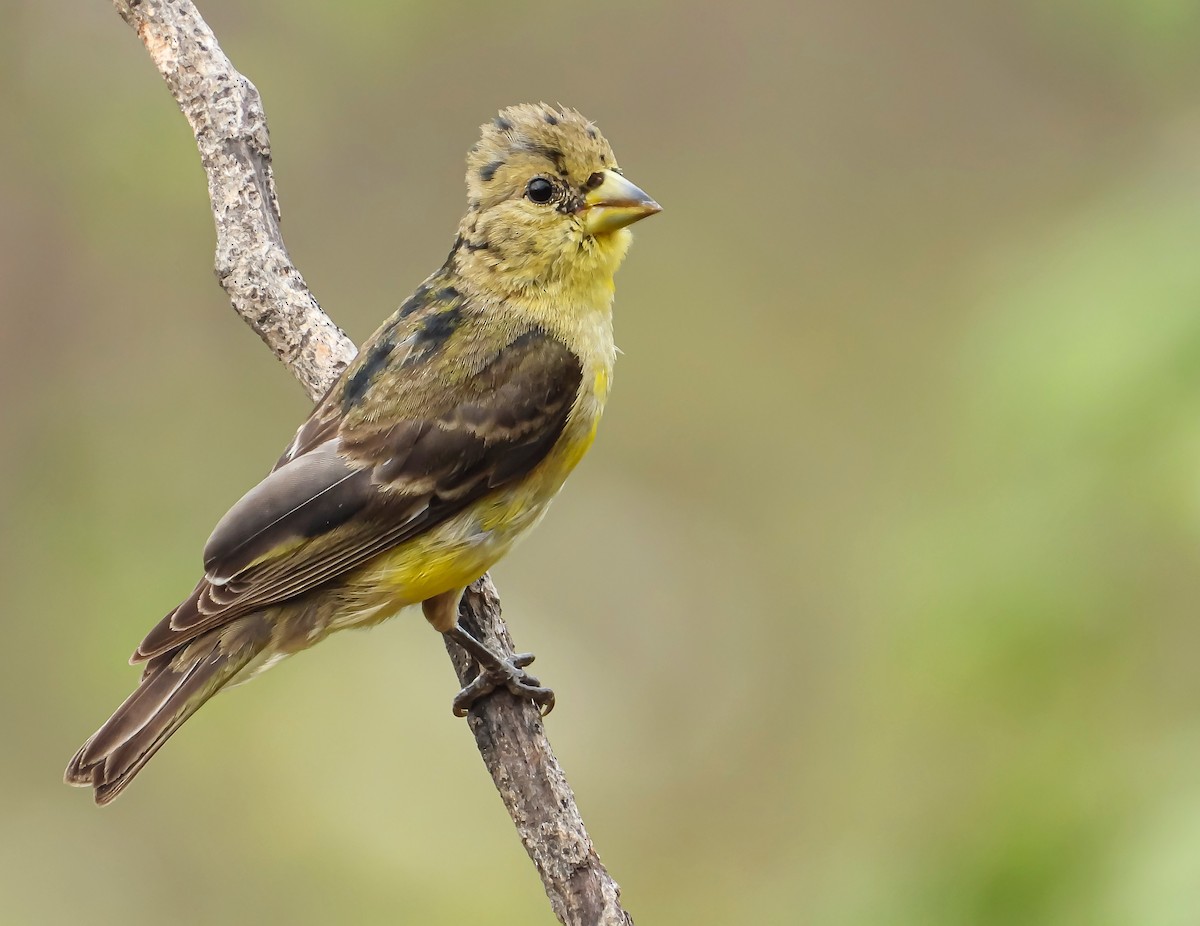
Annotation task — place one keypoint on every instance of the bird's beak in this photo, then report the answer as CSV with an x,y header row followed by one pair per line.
x,y
614,204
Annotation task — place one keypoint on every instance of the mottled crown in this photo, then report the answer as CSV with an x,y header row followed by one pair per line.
x,y
529,138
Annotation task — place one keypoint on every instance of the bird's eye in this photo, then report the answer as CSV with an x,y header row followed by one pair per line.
x,y
594,181
540,190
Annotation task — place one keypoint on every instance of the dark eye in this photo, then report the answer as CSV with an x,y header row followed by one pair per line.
x,y
540,190
594,181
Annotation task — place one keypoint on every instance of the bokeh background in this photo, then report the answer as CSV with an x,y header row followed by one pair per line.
x,y
876,601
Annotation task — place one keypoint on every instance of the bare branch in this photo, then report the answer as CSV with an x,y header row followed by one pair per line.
x,y
265,288
512,741
226,115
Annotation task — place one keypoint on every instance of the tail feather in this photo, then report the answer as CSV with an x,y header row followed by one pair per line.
x,y
169,694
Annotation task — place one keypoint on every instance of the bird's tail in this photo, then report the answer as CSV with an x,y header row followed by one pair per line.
x,y
174,686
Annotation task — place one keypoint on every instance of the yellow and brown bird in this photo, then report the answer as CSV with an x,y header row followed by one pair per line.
x,y
441,444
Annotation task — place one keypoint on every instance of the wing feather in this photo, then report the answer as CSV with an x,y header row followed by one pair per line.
x,y
372,481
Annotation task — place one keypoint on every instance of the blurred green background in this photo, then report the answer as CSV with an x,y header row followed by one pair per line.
x,y
874,603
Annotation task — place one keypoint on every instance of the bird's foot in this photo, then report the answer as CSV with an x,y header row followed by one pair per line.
x,y
505,673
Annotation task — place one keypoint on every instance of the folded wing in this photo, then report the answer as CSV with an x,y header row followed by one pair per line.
x,y
375,483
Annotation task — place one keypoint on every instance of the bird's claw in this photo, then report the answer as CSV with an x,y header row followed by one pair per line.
x,y
508,674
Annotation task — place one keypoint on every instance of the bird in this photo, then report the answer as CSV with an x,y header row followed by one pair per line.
x,y
441,444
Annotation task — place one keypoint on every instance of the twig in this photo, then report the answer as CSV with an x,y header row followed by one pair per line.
x,y
265,288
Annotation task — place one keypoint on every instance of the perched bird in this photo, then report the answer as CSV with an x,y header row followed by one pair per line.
x,y
441,444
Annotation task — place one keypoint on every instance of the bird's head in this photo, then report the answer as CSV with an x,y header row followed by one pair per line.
x,y
548,207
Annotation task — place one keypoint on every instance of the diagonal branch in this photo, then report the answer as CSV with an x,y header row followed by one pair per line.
x,y
265,288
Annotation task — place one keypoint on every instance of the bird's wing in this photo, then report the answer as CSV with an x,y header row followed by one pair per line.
x,y
374,482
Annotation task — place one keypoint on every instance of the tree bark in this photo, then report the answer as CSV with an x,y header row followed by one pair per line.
x,y
252,264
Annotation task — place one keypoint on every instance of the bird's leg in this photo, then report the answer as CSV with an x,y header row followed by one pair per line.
x,y
495,670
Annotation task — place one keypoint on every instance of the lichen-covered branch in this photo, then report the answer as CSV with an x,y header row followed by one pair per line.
x,y
265,288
